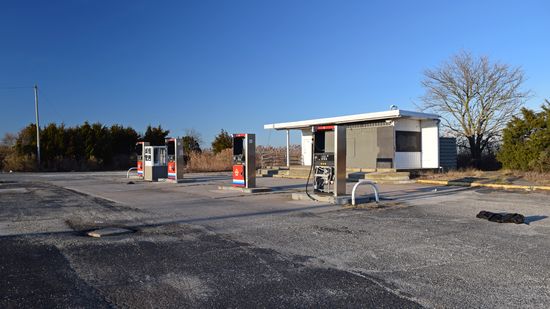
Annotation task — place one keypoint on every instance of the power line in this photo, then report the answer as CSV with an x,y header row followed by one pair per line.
x,y
15,87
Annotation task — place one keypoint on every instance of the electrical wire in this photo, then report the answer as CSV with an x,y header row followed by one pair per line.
x,y
15,87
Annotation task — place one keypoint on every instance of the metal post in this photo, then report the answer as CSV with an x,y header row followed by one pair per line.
x,y
340,160
250,155
287,147
37,124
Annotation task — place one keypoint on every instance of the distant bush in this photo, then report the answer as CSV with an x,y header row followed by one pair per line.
x,y
19,163
487,161
208,161
222,141
155,136
526,141
5,151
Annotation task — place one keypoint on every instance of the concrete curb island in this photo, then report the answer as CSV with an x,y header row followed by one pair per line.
x,y
478,184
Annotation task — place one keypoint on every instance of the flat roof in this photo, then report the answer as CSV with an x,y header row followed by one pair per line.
x,y
397,113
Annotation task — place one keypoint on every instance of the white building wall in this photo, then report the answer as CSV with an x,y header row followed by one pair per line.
x,y
307,141
428,158
430,143
408,160
407,125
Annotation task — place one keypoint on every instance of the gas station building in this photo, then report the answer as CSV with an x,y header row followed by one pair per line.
x,y
394,139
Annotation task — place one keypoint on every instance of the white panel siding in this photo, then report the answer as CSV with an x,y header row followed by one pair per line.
x,y
430,144
306,147
407,125
407,160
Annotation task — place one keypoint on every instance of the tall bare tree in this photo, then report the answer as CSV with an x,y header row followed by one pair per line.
x,y
475,98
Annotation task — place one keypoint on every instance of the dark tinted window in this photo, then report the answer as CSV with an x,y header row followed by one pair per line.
x,y
238,146
171,148
406,141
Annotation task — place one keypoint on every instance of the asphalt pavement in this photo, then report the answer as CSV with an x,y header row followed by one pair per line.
x,y
195,246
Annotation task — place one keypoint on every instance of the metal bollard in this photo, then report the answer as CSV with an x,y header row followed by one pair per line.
x,y
373,185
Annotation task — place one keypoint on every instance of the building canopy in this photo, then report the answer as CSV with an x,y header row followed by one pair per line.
x,y
385,115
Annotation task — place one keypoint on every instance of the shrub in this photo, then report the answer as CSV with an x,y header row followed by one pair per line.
x,y
526,141
222,141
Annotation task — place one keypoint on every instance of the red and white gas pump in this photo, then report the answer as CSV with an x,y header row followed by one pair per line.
x,y
176,163
140,147
244,160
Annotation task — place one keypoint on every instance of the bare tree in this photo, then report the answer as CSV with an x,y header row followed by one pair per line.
x,y
475,98
194,134
9,139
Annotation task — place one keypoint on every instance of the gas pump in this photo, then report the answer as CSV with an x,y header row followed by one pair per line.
x,y
155,166
140,147
244,160
174,147
329,160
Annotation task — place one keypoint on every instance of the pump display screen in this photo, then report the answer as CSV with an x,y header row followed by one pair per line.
x,y
238,145
324,141
171,150
238,150
148,154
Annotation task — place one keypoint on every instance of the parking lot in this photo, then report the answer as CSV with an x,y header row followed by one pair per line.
x,y
193,245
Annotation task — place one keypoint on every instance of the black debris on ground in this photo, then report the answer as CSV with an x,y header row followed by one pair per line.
x,y
504,217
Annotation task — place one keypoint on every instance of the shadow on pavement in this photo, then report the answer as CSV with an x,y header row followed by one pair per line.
x,y
529,219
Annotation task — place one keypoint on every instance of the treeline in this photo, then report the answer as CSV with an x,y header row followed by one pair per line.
x,y
80,148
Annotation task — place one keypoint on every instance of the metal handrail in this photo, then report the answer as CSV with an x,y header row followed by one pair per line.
x,y
128,173
365,181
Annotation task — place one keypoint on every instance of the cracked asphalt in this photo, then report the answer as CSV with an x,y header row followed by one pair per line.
x,y
196,246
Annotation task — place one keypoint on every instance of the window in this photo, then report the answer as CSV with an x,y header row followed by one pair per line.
x,y
406,141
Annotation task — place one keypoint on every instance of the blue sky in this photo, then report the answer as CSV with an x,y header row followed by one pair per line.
x,y
237,65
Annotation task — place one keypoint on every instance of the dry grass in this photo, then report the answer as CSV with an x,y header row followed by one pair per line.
x,y
207,161
539,178
463,173
501,176
16,163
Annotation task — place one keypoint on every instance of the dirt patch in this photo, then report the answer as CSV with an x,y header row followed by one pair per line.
x,y
331,229
493,177
370,206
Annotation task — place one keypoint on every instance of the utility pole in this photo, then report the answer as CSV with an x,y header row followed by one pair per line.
x,y
37,124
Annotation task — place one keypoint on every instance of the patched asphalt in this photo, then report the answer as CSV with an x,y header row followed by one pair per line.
x,y
195,246
172,267
162,266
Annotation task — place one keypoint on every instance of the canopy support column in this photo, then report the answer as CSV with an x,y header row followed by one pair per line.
x,y
288,148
